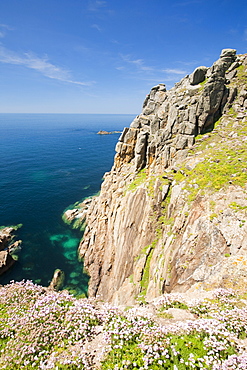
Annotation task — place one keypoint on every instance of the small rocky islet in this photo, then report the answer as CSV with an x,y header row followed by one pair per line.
x,y
165,244
103,132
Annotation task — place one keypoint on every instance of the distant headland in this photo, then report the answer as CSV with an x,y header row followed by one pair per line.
x,y
103,132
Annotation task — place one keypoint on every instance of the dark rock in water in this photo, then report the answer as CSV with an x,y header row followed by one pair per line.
x,y
6,261
77,216
57,280
15,247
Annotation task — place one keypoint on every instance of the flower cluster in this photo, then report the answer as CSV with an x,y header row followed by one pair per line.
x,y
43,329
233,362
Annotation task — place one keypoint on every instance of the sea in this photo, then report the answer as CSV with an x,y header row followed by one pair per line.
x,y
47,163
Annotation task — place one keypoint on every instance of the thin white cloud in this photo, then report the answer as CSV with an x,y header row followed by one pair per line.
x,y
188,63
7,27
42,65
97,27
3,29
139,63
154,74
142,67
96,5
174,71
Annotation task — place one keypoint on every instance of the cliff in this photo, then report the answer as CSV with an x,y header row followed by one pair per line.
x,y
171,213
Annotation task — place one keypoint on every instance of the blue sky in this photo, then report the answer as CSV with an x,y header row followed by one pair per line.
x,y
95,56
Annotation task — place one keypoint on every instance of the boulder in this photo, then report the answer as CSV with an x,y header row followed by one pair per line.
x,y
198,75
228,53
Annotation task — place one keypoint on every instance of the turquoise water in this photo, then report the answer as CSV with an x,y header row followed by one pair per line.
x,y
47,162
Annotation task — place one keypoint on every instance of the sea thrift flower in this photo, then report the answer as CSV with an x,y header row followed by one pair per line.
x,y
45,330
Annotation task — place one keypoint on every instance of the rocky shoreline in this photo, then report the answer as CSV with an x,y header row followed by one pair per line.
x,y
8,248
76,216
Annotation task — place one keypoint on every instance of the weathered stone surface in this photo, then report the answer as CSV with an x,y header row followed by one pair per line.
x,y
140,151
228,53
198,75
227,57
3,258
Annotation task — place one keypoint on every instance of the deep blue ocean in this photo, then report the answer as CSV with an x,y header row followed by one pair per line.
x,y
47,162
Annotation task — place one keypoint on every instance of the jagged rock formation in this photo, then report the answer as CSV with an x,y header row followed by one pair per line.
x,y
57,280
7,249
79,212
171,212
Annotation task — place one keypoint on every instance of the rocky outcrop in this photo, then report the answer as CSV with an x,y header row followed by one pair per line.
x,y
76,216
171,212
170,120
7,248
57,280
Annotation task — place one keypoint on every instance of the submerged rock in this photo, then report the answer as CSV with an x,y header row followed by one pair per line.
x,y
77,216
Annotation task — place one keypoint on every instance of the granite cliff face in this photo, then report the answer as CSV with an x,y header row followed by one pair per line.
x,y
171,213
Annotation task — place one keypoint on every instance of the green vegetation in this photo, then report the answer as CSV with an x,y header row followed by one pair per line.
x,y
242,74
237,207
232,113
222,164
165,315
183,349
146,273
138,180
202,84
48,330
173,303
15,227
212,216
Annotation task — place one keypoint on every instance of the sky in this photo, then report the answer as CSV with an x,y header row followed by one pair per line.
x,y
104,56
